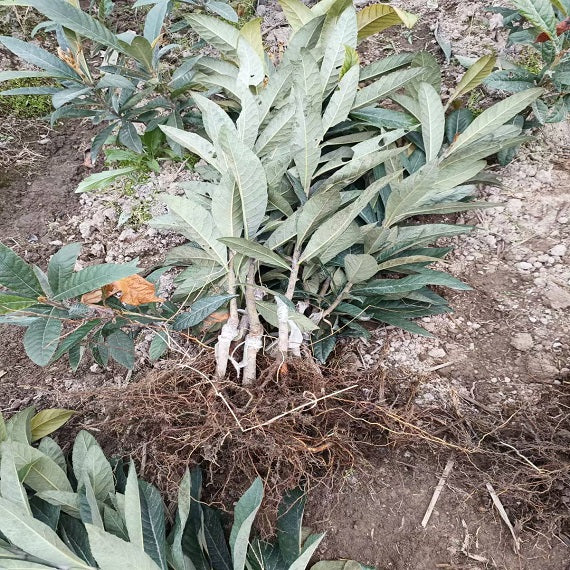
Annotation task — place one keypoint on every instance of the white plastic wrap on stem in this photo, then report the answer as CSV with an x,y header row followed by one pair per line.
x,y
230,330
253,340
283,318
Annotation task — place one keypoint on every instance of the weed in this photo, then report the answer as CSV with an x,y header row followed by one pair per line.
x,y
26,106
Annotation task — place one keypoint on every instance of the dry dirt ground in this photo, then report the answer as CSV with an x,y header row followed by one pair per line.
x,y
504,351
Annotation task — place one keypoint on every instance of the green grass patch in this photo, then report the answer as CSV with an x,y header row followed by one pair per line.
x,y
25,106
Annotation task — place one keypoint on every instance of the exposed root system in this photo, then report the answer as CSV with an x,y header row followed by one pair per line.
x,y
310,423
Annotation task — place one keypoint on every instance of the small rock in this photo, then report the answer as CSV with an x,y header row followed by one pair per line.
x,y
544,176
522,342
524,265
557,297
558,250
541,369
437,353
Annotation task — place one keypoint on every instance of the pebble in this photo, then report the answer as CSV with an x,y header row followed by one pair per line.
x,y
522,341
558,250
524,265
557,297
437,353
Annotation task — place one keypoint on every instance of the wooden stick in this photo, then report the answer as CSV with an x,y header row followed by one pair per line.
x,y
442,480
504,516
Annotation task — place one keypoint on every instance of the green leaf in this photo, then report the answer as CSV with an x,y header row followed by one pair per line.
x,y
337,224
432,118
473,77
256,251
50,448
384,86
384,65
36,538
92,278
216,547
377,17
360,267
154,530
511,80
88,507
122,349
42,337
18,427
290,525
96,468
61,265
48,421
158,345
133,510
39,471
14,303
155,19
17,275
129,137
112,553
222,9
83,442
39,57
540,14
103,179
457,122
66,500
342,99
244,514
269,312
74,338
22,565
10,486
309,548
323,346
249,175
198,226
10,75
317,209
68,16
495,116
338,565
251,31
296,12
223,36
199,311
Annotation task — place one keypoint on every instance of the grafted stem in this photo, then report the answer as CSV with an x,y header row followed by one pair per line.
x,y
345,291
253,340
230,330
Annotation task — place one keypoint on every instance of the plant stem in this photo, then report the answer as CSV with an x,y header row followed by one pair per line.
x,y
293,276
253,340
338,300
230,330
283,328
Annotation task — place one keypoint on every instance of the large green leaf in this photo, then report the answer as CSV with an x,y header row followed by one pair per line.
x,y
17,275
342,99
36,538
342,36
96,468
194,143
102,179
336,225
121,348
360,267
223,36
155,19
296,12
154,529
249,175
133,509
42,337
269,312
432,118
18,427
14,303
385,85
377,17
540,14
65,14
495,116
309,547
66,500
39,471
199,226
384,65
290,525
317,209
39,57
199,310
244,514
11,487
61,265
256,251
112,553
